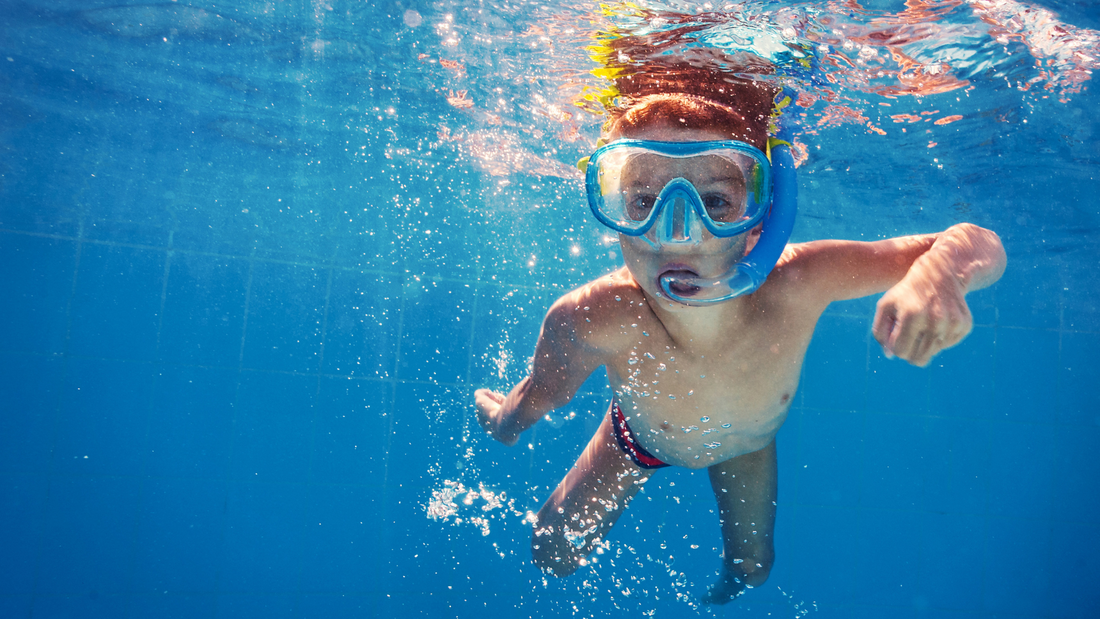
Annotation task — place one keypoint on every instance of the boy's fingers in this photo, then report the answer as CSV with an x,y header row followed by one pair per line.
x,y
907,336
883,328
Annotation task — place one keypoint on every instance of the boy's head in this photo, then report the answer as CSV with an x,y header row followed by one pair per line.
x,y
746,122
738,111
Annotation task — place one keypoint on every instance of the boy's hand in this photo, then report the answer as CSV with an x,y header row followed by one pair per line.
x,y
489,415
923,314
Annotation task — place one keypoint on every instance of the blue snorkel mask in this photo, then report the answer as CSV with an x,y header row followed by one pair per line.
x,y
641,188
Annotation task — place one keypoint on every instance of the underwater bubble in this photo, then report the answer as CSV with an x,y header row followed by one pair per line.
x,y
632,360
634,325
618,298
726,425
645,333
704,419
661,367
649,355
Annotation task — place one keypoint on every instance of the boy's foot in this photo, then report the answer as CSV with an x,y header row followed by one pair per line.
x,y
727,589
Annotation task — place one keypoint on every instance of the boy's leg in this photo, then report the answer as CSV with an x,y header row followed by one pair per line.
x,y
746,490
585,504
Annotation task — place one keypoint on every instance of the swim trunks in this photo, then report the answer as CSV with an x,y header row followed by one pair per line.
x,y
630,446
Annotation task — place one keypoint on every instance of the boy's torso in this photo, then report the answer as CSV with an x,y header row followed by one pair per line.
x,y
697,404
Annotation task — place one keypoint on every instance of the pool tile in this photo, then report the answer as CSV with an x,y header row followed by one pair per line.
x,y
1017,559
983,306
435,340
1027,375
116,302
191,424
286,306
831,447
350,431
862,308
952,548
179,535
895,386
835,370
1074,562
266,605
895,460
263,548
823,543
887,578
329,605
90,524
16,605
361,330
1023,489
273,422
428,426
103,418
1029,295
508,320
1076,467
1079,380
957,465
962,378
172,605
204,310
22,506
38,281
88,605
344,544
1082,309
424,555
29,392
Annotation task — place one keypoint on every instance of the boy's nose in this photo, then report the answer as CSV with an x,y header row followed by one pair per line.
x,y
681,230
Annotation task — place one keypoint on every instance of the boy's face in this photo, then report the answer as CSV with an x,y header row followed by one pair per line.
x,y
711,257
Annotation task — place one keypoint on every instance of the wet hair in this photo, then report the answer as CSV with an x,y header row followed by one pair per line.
x,y
697,89
691,112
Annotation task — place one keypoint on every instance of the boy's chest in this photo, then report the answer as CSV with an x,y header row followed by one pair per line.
x,y
701,408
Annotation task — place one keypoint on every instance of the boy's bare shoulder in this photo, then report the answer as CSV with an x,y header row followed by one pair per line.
x,y
796,279
596,310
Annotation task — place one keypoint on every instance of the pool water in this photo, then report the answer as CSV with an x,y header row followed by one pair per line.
x,y
258,255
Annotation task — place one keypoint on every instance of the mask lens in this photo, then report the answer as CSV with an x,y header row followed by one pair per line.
x,y
631,178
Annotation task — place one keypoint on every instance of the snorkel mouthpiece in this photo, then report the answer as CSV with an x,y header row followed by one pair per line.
x,y
749,274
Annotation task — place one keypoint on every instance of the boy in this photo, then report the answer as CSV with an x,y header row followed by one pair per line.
x,y
704,370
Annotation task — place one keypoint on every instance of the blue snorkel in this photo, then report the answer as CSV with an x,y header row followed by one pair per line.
x,y
752,270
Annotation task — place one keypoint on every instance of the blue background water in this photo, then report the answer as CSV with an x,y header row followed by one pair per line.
x,y
249,288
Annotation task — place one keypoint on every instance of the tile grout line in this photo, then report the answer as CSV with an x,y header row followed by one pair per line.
x,y
391,413
154,382
62,385
233,430
254,256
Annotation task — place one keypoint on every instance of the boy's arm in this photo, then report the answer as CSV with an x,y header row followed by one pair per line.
x,y
561,364
925,277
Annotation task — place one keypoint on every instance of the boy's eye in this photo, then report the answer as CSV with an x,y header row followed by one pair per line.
x,y
639,206
720,208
